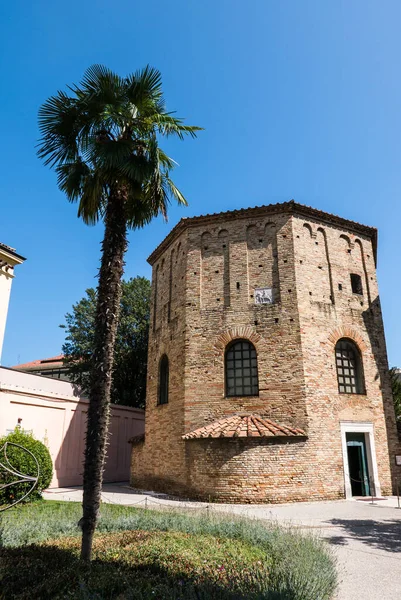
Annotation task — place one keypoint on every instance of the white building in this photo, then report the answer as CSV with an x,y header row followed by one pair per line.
x,y
54,410
8,260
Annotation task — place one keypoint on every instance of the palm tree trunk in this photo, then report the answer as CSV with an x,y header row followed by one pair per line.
x,y
107,311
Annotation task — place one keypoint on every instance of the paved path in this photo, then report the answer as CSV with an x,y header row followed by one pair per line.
x,y
366,537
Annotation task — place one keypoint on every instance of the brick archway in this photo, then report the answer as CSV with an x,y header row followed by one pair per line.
x,y
245,332
347,332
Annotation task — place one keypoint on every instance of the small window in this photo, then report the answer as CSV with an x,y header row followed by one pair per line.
x,y
163,380
356,284
241,369
349,368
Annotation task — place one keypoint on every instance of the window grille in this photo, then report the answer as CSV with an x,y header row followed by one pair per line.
x,y
349,368
241,369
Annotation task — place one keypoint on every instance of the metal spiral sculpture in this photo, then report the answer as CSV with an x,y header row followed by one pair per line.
x,y
7,467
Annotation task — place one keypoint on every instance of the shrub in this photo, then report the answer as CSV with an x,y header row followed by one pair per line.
x,y
24,463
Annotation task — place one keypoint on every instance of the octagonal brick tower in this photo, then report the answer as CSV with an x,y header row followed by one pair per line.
x,y
267,366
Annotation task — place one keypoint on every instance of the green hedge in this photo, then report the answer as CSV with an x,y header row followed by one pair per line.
x,y
24,463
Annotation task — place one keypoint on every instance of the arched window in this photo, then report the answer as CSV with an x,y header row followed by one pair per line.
x,y
241,369
163,380
349,368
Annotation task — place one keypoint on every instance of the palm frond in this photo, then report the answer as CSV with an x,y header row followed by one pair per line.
x,y
138,211
60,120
166,161
100,83
71,178
137,168
175,192
168,125
105,134
108,153
144,85
93,199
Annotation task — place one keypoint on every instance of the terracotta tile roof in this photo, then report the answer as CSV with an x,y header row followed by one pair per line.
x,y
55,361
243,425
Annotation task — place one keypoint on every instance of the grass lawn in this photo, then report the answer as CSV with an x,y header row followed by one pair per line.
x,y
140,554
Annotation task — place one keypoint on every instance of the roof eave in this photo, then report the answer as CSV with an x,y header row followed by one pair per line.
x,y
11,254
290,207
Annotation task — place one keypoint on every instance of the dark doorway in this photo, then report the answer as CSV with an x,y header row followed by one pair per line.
x,y
358,464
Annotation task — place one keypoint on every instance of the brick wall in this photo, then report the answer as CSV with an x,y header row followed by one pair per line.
x,y
328,312
204,280
160,461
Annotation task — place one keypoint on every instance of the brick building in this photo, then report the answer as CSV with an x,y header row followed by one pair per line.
x,y
267,373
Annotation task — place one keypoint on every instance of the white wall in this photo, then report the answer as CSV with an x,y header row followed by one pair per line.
x,y
55,412
5,289
8,260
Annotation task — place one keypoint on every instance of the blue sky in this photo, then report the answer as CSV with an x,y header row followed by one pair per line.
x,y
299,99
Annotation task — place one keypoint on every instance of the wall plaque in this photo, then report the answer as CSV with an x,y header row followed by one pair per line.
x,y
263,295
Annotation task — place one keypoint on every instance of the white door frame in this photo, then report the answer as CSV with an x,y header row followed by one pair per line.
x,y
367,429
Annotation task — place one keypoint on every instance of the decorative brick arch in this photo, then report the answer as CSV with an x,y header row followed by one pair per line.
x,y
308,227
245,333
347,332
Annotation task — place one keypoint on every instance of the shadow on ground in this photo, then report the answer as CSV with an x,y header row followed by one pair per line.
x,y
50,573
382,535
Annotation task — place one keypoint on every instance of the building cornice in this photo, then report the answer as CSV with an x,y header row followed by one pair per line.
x,y
291,207
9,256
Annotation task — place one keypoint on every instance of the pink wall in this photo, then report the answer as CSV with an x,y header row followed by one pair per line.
x,y
56,414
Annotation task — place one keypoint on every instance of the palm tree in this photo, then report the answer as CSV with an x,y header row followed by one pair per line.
x,y
102,140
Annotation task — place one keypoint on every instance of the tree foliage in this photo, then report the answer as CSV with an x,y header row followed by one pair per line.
x,y
395,377
130,352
